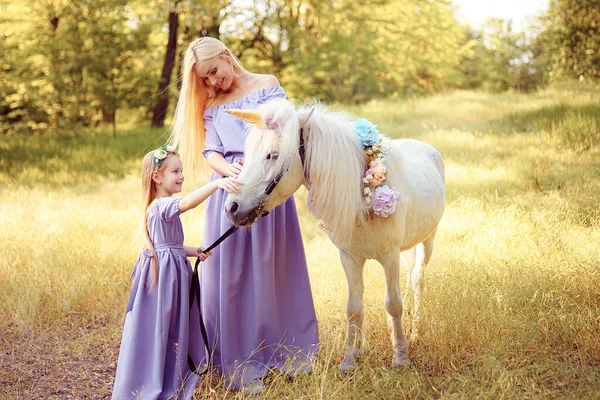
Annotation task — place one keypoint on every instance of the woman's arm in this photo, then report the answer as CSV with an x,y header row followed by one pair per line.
x,y
219,164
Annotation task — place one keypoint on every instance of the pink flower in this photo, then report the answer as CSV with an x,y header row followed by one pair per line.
x,y
377,171
384,203
271,123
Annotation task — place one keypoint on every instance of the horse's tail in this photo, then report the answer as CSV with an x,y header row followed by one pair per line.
x,y
439,162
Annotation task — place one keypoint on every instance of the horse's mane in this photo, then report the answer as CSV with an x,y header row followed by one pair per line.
x,y
335,163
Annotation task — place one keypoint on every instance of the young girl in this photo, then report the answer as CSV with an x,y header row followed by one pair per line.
x,y
160,328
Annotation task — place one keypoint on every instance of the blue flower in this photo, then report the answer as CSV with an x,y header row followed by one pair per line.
x,y
366,131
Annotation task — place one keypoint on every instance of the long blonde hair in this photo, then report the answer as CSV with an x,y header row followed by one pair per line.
x,y
148,196
187,131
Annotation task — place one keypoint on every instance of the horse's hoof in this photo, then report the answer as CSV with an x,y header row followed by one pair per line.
x,y
400,362
347,365
254,387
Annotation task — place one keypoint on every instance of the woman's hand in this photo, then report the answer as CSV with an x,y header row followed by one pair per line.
x,y
230,185
234,169
202,256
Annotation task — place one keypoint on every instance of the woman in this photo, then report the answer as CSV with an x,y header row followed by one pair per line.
x,y
256,297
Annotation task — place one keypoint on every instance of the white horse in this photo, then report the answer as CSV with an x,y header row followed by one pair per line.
x,y
318,148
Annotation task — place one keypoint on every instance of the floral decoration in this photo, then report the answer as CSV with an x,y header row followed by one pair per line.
x,y
381,199
161,153
384,203
367,132
271,122
377,173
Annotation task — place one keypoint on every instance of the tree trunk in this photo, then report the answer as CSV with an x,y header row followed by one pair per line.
x,y
160,111
55,74
114,124
181,53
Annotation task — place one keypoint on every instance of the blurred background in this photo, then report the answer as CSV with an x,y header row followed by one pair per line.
x,y
74,63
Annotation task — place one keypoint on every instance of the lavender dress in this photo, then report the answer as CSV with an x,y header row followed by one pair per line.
x,y
158,322
256,296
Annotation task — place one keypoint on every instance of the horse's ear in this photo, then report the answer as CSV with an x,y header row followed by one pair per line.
x,y
252,116
304,120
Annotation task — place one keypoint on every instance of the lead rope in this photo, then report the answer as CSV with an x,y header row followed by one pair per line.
x,y
195,294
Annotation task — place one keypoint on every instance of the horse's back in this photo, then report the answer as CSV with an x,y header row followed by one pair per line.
x,y
421,177
418,157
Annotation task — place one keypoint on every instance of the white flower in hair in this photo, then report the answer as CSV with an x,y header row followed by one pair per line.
x,y
160,154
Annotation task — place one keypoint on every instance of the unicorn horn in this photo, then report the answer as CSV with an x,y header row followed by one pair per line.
x,y
252,116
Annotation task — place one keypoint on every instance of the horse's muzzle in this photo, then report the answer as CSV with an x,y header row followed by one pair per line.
x,y
242,218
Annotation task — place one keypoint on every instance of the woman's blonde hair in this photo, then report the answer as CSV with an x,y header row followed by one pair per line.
x,y
148,196
187,131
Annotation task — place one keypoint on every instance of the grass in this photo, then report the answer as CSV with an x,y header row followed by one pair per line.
x,y
512,298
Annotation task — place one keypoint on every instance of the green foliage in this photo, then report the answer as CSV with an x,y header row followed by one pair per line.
x,y
501,59
351,52
73,64
576,34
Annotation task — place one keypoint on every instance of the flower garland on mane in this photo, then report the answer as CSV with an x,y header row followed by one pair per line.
x,y
380,197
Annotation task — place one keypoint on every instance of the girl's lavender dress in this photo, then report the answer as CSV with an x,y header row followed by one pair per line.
x,y
160,329
256,297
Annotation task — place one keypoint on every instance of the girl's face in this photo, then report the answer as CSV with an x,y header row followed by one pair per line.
x,y
170,180
216,72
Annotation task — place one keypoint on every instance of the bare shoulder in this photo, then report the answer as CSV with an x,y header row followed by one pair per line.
x,y
264,80
270,80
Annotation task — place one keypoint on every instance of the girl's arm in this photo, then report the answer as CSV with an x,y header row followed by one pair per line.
x,y
219,164
192,251
193,199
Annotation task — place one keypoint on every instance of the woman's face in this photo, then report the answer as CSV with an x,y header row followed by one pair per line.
x,y
216,72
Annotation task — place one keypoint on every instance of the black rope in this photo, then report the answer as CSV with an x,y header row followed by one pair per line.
x,y
195,295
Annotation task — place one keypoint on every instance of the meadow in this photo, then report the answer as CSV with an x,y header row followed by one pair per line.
x,y
512,294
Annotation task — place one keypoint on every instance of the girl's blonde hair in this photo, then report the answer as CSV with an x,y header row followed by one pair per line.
x,y
148,196
187,131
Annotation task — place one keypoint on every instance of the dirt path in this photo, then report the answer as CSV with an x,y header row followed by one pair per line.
x,y
63,362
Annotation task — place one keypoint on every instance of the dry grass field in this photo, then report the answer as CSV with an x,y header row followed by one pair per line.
x,y
512,295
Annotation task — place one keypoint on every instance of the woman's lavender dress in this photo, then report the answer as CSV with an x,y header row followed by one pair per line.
x,y
256,296
160,328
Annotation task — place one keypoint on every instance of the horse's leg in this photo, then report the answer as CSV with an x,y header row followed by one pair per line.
x,y
354,273
423,255
393,305
409,257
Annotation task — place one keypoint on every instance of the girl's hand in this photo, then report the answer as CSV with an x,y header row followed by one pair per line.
x,y
230,185
202,256
234,169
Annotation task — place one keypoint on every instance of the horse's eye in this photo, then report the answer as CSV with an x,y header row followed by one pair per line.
x,y
272,156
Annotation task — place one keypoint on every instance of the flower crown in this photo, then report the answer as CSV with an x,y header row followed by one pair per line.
x,y
161,154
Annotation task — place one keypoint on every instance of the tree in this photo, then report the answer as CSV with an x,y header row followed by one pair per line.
x,y
576,30
112,46
160,111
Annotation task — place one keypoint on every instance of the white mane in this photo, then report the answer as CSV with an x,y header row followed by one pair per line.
x,y
334,160
335,163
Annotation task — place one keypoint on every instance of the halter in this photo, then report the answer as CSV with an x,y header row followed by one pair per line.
x,y
302,152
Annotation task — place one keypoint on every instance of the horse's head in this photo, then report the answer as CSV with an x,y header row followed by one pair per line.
x,y
272,169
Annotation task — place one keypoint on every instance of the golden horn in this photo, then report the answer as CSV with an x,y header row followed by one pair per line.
x,y
252,116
